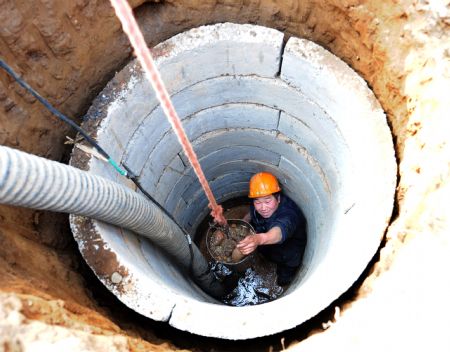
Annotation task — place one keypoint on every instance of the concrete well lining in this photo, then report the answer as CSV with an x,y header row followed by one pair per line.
x,y
249,104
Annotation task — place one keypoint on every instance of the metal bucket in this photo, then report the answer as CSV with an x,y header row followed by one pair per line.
x,y
245,262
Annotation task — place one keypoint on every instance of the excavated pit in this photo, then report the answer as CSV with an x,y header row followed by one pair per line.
x,y
250,101
68,51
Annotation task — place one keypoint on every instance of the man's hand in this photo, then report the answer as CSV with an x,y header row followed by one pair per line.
x,y
248,244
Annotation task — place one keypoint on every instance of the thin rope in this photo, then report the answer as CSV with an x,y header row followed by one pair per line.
x,y
142,52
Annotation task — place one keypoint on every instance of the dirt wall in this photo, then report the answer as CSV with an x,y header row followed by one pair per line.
x,y
68,50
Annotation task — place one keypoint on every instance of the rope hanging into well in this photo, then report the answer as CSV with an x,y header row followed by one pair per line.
x,y
142,52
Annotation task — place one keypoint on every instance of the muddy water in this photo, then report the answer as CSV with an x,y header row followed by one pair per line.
x,y
253,281
257,285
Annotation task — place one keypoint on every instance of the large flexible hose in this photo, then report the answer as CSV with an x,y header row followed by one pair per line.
x,y
30,181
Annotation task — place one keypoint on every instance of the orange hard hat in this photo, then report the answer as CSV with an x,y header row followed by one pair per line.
x,y
263,184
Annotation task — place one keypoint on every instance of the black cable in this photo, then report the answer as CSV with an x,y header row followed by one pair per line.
x,y
128,173
52,109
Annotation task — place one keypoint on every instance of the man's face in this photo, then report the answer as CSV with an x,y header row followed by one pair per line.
x,y
266,206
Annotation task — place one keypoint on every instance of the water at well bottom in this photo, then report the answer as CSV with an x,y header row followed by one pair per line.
x,y
256,285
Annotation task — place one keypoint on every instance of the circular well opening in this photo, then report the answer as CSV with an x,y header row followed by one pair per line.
x,y
249,102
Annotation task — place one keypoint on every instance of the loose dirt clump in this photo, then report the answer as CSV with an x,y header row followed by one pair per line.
x,y
222,244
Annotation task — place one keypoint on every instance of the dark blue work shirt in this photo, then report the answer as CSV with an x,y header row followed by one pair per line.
x,y
290,219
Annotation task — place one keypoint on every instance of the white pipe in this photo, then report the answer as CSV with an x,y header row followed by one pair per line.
x,y
30,181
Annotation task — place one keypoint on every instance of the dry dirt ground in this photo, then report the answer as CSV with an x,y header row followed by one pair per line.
x,y
68,50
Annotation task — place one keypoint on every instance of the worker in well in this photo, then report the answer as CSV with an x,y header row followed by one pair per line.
x,y
279,224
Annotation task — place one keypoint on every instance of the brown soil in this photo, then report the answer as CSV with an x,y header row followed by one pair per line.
x,y
222,243
68,50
